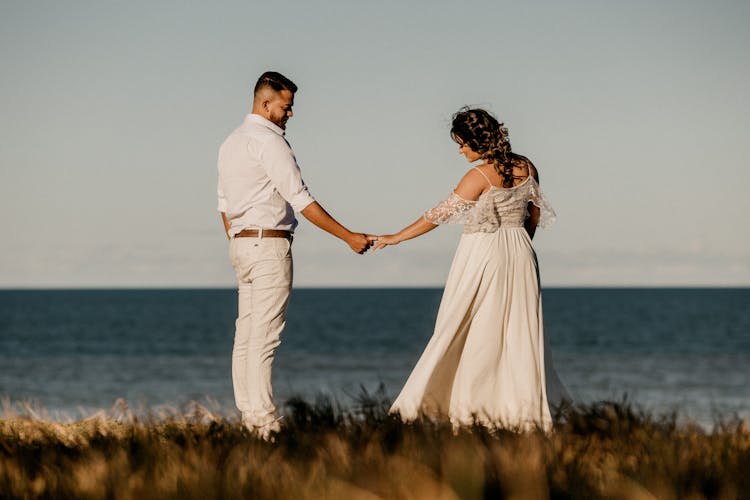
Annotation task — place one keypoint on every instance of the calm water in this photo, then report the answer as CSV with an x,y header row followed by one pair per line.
x,y
73,351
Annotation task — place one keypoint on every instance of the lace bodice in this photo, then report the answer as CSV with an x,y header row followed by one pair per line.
x,y
496,208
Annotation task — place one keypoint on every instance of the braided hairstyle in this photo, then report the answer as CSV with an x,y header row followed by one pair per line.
x,y
481,131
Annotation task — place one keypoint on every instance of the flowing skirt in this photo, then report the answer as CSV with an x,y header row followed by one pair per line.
x,y
485,362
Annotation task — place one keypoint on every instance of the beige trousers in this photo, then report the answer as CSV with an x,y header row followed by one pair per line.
x,y
264,276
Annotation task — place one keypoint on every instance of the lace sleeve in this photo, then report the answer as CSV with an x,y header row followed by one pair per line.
x,y
452,210
547,215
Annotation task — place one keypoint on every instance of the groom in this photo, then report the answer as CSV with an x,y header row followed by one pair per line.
x,y
260,188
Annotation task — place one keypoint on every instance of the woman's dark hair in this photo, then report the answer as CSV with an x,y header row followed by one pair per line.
x,y
481,131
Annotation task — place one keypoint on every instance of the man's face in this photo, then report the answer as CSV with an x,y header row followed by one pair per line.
x,y
279,107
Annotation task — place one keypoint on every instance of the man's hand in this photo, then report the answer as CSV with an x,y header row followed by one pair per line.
x,y
359,242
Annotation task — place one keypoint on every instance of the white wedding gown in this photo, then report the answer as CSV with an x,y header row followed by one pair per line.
x,y
486,360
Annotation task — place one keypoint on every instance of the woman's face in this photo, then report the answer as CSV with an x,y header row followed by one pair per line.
x,y
464,149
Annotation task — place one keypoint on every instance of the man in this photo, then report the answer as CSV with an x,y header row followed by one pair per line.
x,y
260,188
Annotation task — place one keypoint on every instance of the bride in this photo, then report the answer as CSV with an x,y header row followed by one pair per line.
x,y
485,362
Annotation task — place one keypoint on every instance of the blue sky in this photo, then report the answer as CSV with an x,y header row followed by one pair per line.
x,y
634,113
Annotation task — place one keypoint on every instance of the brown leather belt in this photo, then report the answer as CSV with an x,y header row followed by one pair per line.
x,y
267,233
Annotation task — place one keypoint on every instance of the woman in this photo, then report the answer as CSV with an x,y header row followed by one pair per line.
x,y
485,362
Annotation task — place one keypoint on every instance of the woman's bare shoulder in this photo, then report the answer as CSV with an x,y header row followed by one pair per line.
x,y
471,185
478,174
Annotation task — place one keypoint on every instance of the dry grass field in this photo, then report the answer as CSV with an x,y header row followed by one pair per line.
x,y
606,450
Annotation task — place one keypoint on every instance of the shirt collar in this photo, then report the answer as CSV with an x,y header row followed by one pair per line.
x,y
266,123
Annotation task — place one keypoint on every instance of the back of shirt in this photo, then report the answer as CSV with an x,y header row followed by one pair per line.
x,y
260,184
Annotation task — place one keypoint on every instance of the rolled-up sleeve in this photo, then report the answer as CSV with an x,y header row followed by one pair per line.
x,y
222,205
281,167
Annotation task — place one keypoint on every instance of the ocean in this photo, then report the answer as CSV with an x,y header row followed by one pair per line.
x,y
68,353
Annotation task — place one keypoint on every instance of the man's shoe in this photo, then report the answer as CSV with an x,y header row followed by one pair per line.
x,y
264,431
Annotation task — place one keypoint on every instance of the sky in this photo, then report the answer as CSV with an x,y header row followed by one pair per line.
x,y
635,114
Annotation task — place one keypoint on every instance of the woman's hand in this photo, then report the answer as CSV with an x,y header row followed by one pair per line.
x,y
385,240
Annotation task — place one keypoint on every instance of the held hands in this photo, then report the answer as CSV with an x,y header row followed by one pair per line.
x,y
418,228
361,242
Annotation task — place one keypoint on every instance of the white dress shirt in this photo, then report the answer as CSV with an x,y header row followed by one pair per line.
x,y
260,184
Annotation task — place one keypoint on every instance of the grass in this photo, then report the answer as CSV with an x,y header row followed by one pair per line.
x,y
606,450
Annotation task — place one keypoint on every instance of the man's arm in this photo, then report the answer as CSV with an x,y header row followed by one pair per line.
x,y
281,167
317,215
227,225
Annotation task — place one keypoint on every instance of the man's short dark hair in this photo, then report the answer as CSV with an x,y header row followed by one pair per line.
x,y
276,81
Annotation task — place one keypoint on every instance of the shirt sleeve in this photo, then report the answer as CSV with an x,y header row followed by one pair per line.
x,y
281,167
222,206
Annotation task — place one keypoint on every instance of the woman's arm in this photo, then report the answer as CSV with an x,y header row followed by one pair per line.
x,y
533,219
418,228
471,186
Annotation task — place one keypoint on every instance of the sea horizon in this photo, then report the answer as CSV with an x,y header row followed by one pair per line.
x,y
682,349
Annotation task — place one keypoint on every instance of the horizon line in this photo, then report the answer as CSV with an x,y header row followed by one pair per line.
x,y
359,287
